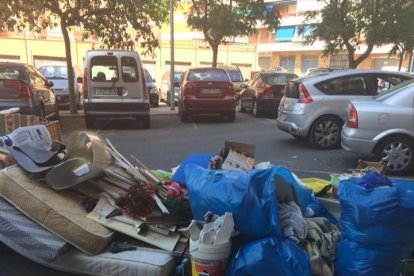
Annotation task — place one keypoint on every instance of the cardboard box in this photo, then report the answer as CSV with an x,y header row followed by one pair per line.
x,y
237,156
375,166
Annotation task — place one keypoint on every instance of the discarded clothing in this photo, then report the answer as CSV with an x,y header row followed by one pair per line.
x,y
321,242
291,219
372,179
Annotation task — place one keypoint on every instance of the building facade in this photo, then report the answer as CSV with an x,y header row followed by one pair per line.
x,y
261,51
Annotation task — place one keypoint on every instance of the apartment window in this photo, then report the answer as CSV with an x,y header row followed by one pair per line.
x,y
285,33
288,62
339,62
309,62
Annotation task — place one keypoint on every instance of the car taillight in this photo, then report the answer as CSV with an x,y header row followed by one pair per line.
x,y
144,84
304,96
85,83
20,86
352,117
268,91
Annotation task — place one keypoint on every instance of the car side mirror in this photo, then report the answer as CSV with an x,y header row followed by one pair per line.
x,y
50,83
153,80
246,80
176,84
243,85
79,80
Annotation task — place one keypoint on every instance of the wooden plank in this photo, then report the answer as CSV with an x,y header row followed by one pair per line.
x,y
166,242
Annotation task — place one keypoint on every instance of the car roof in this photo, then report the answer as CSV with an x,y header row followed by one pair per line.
x,y
347,72
14,64
228,67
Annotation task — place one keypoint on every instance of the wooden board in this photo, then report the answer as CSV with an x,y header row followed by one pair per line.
x,y
166,242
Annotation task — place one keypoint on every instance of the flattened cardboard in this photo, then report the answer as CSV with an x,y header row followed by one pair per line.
x,y
237,156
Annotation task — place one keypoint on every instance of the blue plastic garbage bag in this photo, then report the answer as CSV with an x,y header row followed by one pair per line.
x,y
270,256
377,227
251,196
201,160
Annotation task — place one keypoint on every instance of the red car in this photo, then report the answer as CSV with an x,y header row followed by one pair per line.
x,y
207,91
264,92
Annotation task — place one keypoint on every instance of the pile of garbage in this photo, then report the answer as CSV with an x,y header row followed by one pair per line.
x,y
224,214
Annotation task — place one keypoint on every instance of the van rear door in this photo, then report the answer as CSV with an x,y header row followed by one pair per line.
x,y
104,78
133,80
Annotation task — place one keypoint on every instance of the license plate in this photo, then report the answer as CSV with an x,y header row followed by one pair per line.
x,y
210,90
106,91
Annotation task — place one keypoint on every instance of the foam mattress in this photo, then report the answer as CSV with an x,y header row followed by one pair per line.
x,y
60,212
41,246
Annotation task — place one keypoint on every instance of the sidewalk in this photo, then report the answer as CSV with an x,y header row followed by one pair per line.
x,y
163,109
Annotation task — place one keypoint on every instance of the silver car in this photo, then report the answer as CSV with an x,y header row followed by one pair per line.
x,y
315,107
384,127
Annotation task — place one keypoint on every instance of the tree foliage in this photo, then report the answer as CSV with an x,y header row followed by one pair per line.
x,y
118,23
348,24
400,31
219,20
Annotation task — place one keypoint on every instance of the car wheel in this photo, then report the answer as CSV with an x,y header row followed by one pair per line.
x,y
89,121
231,116
397,153
168,101
256,111
325,133
57,114
240,107
183,116
146,122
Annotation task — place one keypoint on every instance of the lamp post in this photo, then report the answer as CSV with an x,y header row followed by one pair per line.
x,y
172,92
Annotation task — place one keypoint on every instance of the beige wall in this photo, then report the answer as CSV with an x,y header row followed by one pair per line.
x,y
195,53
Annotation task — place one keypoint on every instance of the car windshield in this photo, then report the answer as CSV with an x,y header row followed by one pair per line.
x,y
384,95
208,75
148,77
54,72
272,79
178,77
235,76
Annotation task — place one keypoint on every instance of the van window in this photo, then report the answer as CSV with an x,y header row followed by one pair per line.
x,y
129,69
235,76
104,68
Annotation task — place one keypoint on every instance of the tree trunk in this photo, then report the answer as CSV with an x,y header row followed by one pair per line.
x,y
215,53
410,60
71,77
402,52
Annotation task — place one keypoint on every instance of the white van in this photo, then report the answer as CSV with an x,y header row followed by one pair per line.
x,y
114,87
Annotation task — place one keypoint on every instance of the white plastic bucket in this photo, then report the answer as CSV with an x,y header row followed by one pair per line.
x,y
209,260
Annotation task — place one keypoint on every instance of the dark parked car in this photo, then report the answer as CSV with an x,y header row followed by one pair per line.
x,y
152,89
207,91
264,92
23,86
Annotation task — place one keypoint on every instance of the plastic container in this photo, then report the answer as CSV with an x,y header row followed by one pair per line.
x,y
36,136
209,259
318,185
